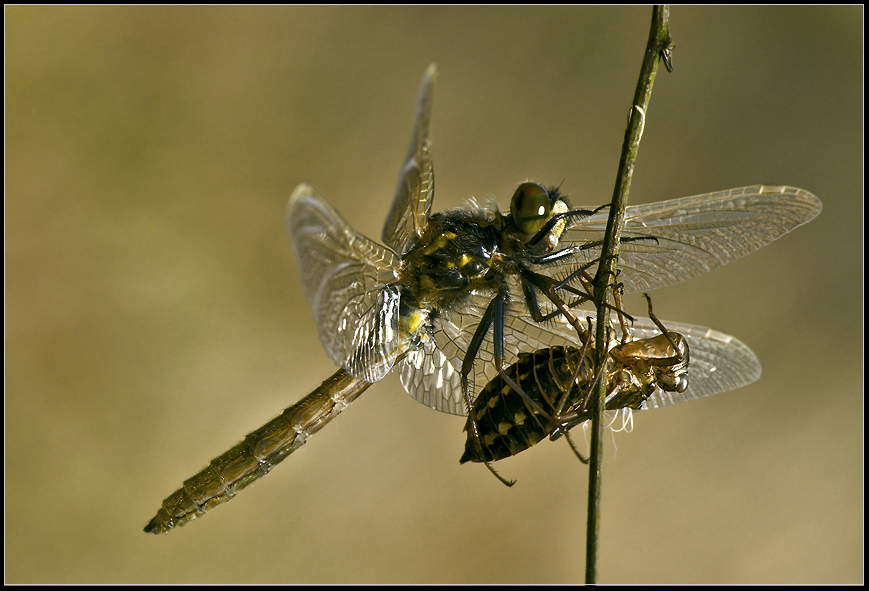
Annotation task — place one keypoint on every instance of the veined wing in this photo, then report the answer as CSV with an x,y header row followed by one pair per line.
x,y
345,276
695,234
415,192
428,374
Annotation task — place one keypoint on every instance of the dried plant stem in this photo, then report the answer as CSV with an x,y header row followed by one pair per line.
x,y
658,47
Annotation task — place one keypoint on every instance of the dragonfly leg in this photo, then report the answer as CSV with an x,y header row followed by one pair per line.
x,y
494,315
618,291
560,218
559,410
467,366
498,340
548,286
476,434
581,413
574,449
586,281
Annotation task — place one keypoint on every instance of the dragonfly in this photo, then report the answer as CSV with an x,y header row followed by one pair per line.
x,y
646,367
450,299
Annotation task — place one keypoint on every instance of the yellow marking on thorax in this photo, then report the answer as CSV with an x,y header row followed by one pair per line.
x,y
439,243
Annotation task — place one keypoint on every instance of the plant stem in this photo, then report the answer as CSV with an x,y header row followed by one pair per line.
x,y
659,47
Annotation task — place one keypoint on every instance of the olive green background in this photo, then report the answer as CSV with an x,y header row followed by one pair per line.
x,y
154,313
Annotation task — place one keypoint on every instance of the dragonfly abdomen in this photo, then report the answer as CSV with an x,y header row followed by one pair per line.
x,y
507,424
257,453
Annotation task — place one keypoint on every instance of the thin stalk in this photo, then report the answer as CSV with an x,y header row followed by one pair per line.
x,y
659,47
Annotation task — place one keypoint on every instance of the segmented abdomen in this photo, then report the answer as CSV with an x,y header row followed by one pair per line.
x,y
507,424
258,453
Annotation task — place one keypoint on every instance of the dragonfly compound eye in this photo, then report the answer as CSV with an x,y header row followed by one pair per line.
x,y
531,207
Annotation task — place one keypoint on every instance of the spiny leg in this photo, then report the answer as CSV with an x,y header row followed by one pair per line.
x,y
467,366
618,291
549,288
549,285
574,449
559,409
569,420
560,218
587,342
494,315
562,425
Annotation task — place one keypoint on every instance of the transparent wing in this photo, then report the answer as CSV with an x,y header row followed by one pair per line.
x,y
415,191
345,276
429,375
695,234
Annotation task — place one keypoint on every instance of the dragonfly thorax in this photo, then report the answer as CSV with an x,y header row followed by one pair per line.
x,y
456,254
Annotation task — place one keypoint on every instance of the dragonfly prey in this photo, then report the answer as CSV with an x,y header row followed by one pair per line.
x,y
450,299
646,367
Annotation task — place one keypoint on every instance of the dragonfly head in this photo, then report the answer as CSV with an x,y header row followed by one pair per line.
x,y
533,206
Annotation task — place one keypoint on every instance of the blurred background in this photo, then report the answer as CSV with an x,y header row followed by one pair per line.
x,y
154,314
